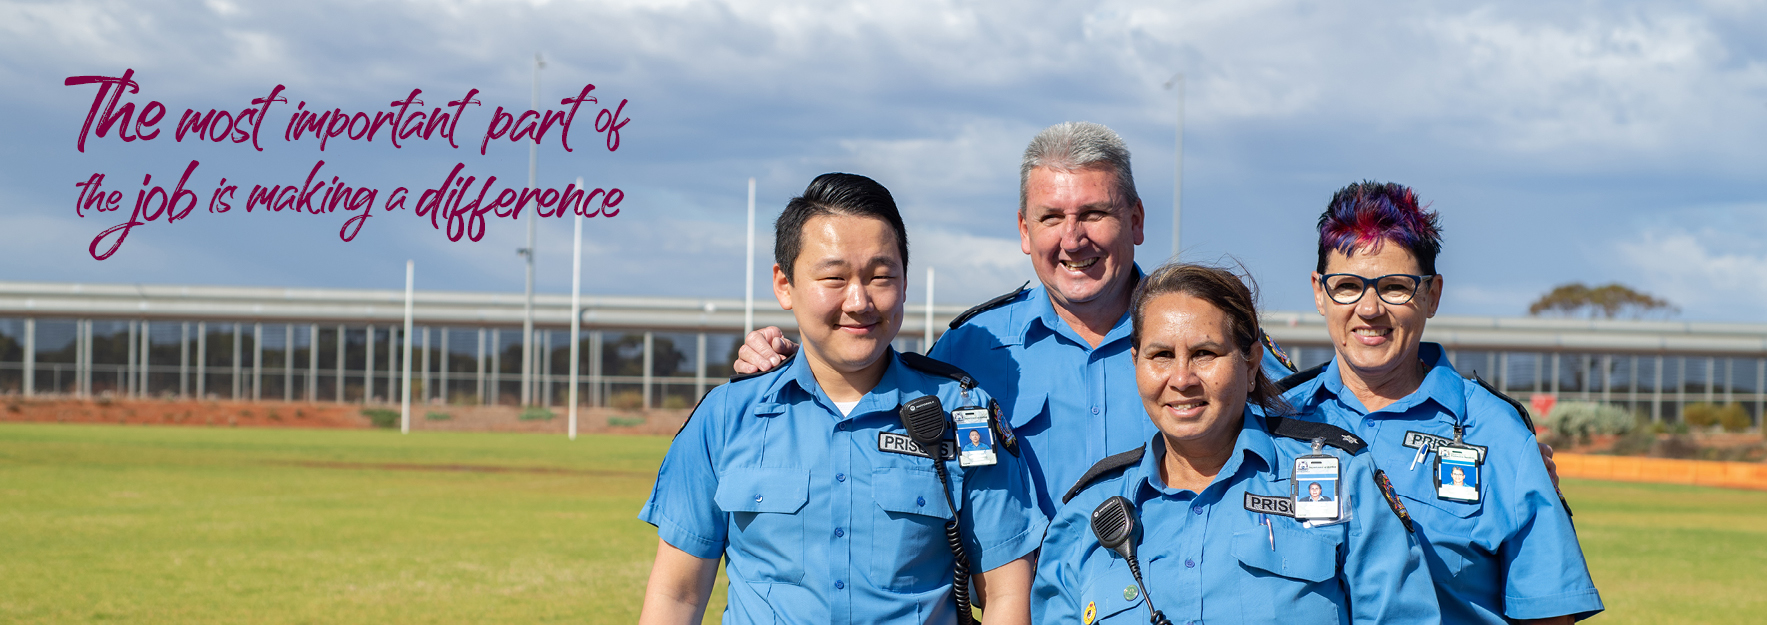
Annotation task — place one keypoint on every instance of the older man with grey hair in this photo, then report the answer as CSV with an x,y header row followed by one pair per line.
x,y
1057,355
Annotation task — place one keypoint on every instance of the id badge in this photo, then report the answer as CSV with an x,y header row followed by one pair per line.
x,y
1316,487
975,440
1457,473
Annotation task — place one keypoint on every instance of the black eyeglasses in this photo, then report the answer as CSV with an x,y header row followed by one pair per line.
x,y
1394,288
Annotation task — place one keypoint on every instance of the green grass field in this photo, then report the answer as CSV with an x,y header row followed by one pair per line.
x,y
210,525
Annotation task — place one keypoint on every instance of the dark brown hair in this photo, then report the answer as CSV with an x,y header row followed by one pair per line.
x,y
1226,292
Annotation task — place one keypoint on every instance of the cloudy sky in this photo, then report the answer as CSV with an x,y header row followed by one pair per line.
x,y
1584,141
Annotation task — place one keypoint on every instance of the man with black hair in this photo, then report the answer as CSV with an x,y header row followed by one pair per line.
x,y
805,479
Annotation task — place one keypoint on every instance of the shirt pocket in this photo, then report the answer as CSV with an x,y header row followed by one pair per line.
x,y
1112,596
1293,574
766,520
1448,526
909,552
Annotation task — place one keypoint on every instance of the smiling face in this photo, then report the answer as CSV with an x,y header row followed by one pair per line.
x,y
1193,381
1081,246
847,291
1377,341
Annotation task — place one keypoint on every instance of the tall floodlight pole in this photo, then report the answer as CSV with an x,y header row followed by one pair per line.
x,y
928,346
576,307
405,395
1178,177
528,305
748,290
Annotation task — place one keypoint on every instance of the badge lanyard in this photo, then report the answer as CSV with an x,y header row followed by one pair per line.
x,y
1315,487
1457,470
975,438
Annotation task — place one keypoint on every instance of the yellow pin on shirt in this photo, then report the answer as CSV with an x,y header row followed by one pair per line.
x,y
1091,611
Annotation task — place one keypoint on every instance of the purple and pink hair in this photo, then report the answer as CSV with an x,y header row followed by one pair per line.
x,y
1369,214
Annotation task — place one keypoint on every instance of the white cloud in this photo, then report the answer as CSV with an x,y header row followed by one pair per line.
x,y
1711,272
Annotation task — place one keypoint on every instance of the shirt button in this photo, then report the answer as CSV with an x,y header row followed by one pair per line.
x,y
838,532
1196,509
838,584
1189,563
1368,422
841,426
757,499
1095,410
840,477
920,501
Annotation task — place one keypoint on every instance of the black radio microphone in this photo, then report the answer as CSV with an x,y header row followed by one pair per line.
x,y
924,417
1116,527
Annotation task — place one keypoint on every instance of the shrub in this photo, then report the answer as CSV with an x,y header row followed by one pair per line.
x,y
1699,415
1576,420
1733,418
438,416
626,400
624,421
536,413
382,417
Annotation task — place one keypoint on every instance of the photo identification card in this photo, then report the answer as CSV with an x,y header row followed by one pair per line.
x,y
1457,473
1316,487
975,439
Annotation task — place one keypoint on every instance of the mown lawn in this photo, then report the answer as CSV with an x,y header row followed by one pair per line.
x,y
213,525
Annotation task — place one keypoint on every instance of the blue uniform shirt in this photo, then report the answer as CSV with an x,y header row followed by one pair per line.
x,y
1208,558
1513,554
1070,403
818,522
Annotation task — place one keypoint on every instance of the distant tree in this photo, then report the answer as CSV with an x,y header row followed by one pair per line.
x,y
1607,301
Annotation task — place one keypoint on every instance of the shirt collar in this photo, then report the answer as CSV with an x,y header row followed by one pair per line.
x,y
1441,384
798,375
1253,444
1042,312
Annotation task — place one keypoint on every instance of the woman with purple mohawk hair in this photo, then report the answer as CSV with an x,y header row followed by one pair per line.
x,y
1499,544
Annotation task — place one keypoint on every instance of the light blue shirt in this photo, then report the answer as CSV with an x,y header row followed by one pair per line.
x,y
1207,558
1070,403
1513,554
817,521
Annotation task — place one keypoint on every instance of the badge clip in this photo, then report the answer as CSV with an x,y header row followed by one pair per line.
x,y
1457,470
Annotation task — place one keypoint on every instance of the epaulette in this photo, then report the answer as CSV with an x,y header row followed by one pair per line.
x,y
941,368
738,377
1289,383
1519,408
988,305
1308,430
1107,465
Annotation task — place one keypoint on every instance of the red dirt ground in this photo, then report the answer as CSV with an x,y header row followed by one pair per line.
x,y
199,413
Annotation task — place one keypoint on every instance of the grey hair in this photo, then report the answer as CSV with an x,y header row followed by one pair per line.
x,y
1072,146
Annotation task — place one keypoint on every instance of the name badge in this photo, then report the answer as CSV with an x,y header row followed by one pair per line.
x,y
1457,473
975,439
1315,487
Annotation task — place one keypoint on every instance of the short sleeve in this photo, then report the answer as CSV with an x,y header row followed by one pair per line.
x,y
681,504
1545,574
1383,568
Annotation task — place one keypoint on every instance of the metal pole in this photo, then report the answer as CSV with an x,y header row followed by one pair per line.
x,y
748,280
257,360
496,381
443,374
423,375
238,370
647,366
927,343
1178,175
30,381
368,368
576,308
1656,396
341,343
596,396
528,303
184,361
405,393
202,358
129,363
313,362
146,345
484,395
699,369
288,362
